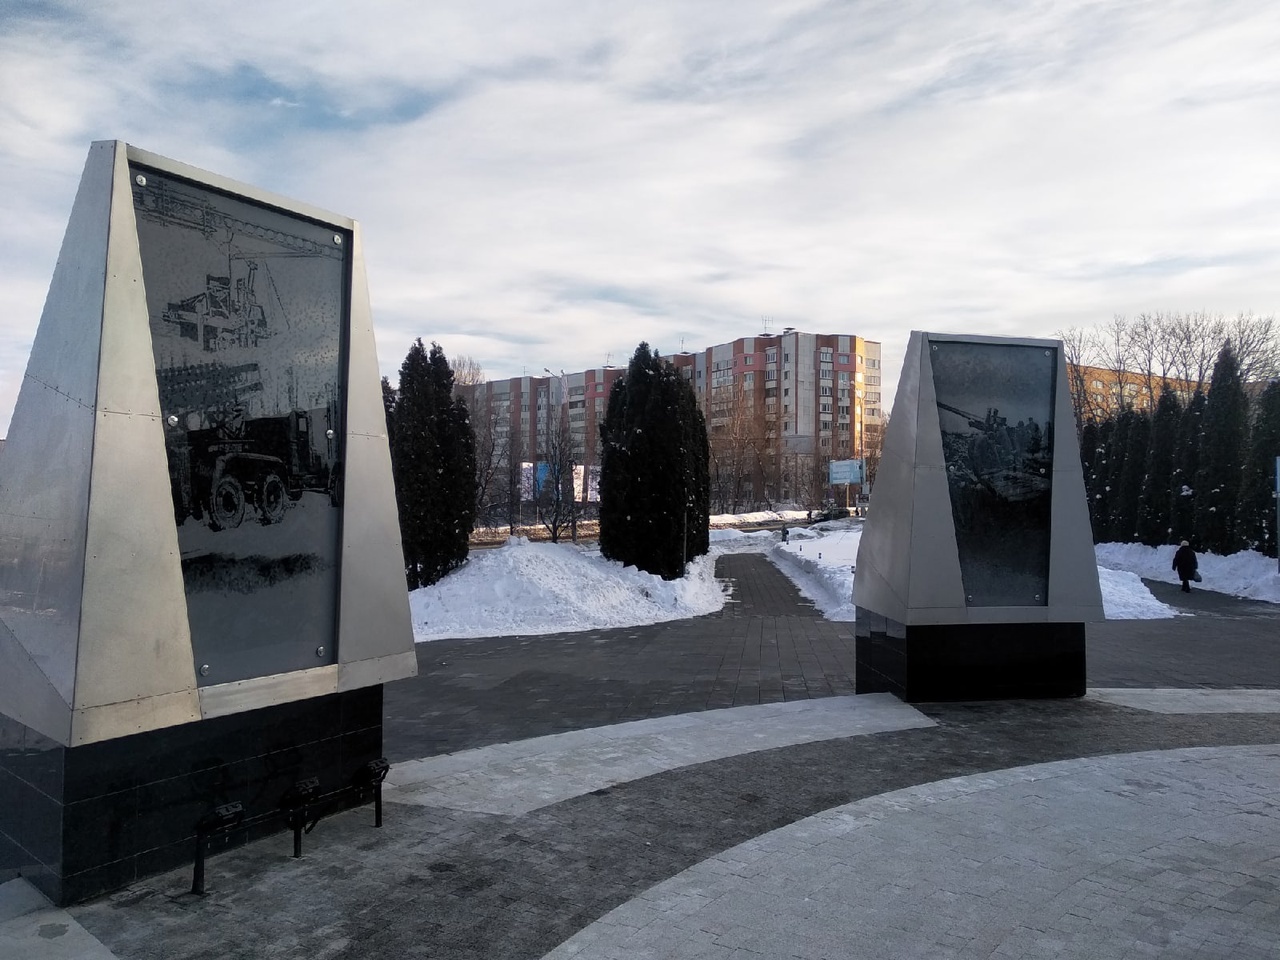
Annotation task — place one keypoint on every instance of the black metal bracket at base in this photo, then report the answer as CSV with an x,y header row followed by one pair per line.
x,y
302,808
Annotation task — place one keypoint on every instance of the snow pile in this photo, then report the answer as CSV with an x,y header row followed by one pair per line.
x,y
1245,574
760,516
1126,597
819,561
534,588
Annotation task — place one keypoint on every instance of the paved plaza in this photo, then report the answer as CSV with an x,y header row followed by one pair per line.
x,y
713,788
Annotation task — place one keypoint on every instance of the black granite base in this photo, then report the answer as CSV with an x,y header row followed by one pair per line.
x,y
988,661
81,821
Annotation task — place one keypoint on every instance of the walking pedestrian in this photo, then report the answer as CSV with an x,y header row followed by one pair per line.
x,y
1185,562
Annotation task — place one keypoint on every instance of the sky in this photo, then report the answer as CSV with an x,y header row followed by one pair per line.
x,y
544,184
528,589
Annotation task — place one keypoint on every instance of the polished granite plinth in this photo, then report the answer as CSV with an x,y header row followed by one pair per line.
x,y
81,821
974,661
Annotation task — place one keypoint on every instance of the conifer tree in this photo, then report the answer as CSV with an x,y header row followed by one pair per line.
x,y
654,473
1153,508
433,462
1117,451
1133,472
1182,499
1257,520
1226,413
1092,452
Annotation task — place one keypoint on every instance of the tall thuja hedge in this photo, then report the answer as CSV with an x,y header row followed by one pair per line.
x,y
654,470
1117,454
1153,507
1226,413
433,462
1182,499
1090,454
1096,481
1133,472
1256,523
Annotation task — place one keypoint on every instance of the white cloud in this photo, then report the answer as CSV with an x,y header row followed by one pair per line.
x,y
546,184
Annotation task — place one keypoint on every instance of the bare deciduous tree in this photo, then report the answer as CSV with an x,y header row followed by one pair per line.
x,y
467,370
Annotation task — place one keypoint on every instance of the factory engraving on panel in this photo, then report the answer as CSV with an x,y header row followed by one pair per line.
x,y
995,409
246,307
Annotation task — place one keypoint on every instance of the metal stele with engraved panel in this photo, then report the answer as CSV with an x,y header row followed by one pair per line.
x,y
197,515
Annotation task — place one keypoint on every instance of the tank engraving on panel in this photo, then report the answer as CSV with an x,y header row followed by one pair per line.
x,y
247,306
995,410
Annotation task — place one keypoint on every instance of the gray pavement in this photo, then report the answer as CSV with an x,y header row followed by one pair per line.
x,y
1135,820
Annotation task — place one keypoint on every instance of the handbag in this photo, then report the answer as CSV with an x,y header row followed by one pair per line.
x,y
1196,577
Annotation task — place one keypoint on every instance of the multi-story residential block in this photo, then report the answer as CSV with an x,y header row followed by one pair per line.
x,y
778,408
518,421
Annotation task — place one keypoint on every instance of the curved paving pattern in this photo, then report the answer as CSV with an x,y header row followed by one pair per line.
x,y
1170,854
515,778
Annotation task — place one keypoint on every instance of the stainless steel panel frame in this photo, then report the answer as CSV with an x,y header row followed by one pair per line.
x,y
242,695
44,483
134,606
373,612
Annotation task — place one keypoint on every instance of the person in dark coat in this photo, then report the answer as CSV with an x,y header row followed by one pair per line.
x,y
1185,562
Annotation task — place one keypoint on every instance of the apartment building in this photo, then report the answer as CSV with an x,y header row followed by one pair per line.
x,y
1098,392
786,404
792,401
515,418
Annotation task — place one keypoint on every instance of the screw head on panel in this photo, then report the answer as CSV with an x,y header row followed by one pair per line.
x,y
140,180
329,433
204,669
320,651
172,420
337,239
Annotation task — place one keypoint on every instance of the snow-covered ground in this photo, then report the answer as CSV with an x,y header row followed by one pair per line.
x,y
526,588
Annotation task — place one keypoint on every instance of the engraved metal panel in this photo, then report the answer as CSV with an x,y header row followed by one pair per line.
x,y
247,312
995,409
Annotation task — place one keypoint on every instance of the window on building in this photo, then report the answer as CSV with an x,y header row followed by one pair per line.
x,y
748,359
824,426
771,375
824,408
824,391
771,356
786,391
748,379
873,380
844,358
